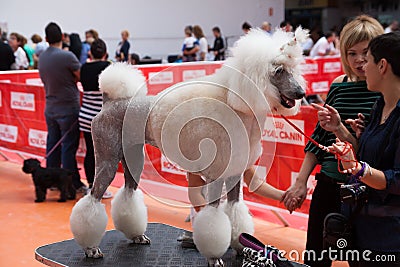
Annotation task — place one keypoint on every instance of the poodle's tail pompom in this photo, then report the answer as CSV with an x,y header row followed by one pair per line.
x,y
121,80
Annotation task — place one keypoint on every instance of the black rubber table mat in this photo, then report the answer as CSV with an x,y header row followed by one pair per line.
x,y
164,250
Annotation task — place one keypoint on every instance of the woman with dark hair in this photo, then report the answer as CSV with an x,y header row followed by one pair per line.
x,y
75,44
349,95
377,166
92,102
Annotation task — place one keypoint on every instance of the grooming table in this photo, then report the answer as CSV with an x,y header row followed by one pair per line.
x,y
164,250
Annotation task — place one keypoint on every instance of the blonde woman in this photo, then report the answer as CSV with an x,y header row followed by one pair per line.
x,y
122,53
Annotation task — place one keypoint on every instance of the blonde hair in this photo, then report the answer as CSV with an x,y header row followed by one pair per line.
x,y
360,29
126,33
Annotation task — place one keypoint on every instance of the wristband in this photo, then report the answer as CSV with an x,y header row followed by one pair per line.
x,y
361,172
367,169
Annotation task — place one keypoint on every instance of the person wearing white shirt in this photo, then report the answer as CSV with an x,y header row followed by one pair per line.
x,y
394,26
325,46
198,33
21,59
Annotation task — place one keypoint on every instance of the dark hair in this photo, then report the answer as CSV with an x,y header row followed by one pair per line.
x,y
75,44
189,30
98,48
53,33
387,46
283,24
330,33
135,57
246,26
216,29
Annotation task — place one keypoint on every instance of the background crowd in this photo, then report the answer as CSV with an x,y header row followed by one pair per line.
x,y
19,53
369,90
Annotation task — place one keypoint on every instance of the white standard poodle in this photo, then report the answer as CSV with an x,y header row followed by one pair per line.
x,y
210,126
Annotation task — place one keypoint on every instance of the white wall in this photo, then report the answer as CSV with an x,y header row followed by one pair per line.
x,y
156,26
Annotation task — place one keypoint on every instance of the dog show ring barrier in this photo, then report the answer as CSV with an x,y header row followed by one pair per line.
x,y
23,129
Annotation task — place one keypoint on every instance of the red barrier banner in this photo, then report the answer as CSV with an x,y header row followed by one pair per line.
x,y
320,72
23,127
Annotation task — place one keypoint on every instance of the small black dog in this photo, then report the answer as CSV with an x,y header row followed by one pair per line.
x,y
44,178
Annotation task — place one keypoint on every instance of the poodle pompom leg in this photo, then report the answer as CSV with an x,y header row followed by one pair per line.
x,y
212,234
129,214
241,221
88,223
237,212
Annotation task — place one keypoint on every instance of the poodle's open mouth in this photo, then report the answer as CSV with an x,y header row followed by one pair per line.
x,y
287,102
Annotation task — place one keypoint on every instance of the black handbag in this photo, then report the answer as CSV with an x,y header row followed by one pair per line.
x,y
338,232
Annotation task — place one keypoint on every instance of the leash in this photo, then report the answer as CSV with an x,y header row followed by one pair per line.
x,y
338,155
59,141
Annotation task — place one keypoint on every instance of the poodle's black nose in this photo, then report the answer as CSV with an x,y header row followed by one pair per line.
x,y
300,93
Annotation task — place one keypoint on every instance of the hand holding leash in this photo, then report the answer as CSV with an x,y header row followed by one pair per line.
x,y
345,154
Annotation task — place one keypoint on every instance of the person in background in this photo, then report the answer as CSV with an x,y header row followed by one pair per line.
x,y
190,45
66,41
266,26
219,44
198,33
246,27
90,36
60,72
377,166
122,52
134,59
92,102
75,45
326,46
350,96
7,58
21,59
39,46
394,26
286,26
312,38
29,50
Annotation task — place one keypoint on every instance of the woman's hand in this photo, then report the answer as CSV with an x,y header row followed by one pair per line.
x,y
294,197
328,117
345,153
358,125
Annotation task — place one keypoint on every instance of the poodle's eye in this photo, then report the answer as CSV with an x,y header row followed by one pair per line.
x,y
278,70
